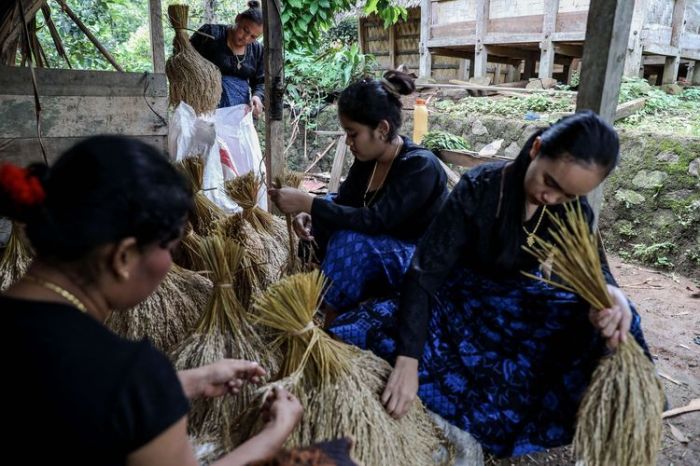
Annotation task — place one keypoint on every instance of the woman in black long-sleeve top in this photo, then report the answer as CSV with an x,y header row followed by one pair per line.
x,y
502,356
239,56
367,234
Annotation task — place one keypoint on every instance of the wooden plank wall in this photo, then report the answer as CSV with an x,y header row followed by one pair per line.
x,y
406,38
75,105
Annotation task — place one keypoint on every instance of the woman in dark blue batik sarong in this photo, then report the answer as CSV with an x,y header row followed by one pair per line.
x,y
503,357
366,235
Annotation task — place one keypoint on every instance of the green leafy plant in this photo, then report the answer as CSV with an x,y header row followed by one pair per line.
x,y
654,254
442,140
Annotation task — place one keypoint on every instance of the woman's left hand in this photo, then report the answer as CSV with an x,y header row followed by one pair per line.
x,y
222,377
291,201
614,323
257,106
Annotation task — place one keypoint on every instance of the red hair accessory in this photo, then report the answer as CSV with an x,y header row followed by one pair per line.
x,y
22,187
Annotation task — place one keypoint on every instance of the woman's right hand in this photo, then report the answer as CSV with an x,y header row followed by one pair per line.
x,y
281,412
402,387
302,226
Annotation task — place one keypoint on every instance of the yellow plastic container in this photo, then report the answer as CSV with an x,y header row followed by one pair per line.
x,y
420,120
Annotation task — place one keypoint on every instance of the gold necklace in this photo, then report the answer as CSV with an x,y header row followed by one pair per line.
x,y
67,295
371,178
531,234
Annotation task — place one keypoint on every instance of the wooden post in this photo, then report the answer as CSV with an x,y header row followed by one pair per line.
x,y
338,164
530,67
607,34
425,22
273,55
677,26
157,39
551,7
480,52
497,74
361,35
633,58
696,74
392,46
209,7
464,69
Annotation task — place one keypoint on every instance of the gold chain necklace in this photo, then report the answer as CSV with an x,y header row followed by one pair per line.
x,y
531,234
371,178
67,295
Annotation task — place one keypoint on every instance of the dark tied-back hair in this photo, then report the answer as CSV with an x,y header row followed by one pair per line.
x,y
102,190
584,138
370,101
253,13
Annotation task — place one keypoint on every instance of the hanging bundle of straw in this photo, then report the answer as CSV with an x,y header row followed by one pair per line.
x,y
15,259
206,213
619,419
222,332
169,314
193,79
339,385
271,230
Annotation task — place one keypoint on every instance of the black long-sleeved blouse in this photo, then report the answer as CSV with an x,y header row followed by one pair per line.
x,y
412,194
464,233
217,51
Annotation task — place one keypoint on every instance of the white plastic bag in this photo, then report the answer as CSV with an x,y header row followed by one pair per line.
x,y
235,126
193,136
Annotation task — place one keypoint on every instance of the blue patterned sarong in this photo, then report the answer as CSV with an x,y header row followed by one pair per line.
x,y
358,266
234,91
507,361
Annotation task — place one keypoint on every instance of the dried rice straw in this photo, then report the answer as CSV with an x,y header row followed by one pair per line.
x,y
619,419
193,79
222,332
168,315
338,384
206,213
15,258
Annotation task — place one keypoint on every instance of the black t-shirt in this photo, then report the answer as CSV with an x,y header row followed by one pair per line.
x,y
78,394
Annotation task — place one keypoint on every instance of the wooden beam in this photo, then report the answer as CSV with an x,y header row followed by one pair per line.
x,y
480,53
510,52
338,164
392,46
425,24
607,34
569,36
551,7
105,53
653,60
677,25
157,40
654,48
273,56
690,54
575,51
629,108
633,57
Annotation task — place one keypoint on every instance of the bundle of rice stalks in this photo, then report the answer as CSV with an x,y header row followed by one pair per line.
x,y
619,419
339,385
15,258
271,230
193,79
222,332
293,179
169,315
206,213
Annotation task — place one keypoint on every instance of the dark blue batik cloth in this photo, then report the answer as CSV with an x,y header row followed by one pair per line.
x,y
506,360
234,91
358,266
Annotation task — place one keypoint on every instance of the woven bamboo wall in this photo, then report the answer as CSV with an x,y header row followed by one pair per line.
x,y
406,39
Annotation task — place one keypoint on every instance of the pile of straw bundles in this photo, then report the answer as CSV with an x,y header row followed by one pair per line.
x,y
619,419
263,235
15,259
222,332
169,314
193,79
339,385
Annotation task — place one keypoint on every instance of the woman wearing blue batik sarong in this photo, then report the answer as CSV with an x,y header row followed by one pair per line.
x,y
503,357
366,235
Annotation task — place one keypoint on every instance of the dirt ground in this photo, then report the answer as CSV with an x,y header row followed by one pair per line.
x,y
670,310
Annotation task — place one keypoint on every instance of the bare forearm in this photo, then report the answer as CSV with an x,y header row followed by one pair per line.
x,y
261,447
189,379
